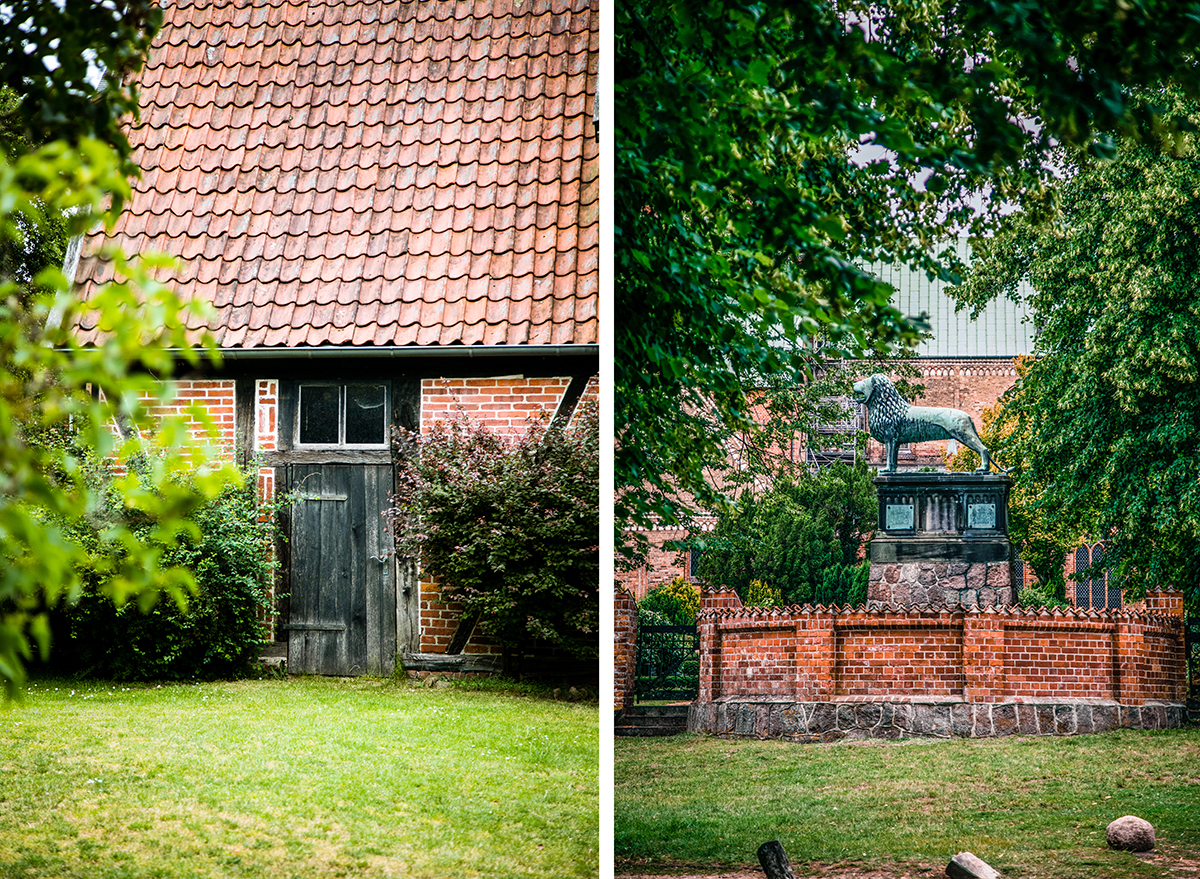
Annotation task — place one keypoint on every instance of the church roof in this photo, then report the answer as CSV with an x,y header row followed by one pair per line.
x,y
1003,329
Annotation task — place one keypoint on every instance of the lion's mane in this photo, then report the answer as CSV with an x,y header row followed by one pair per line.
x,y
887,410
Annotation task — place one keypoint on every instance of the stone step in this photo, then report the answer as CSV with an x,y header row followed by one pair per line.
x,y
646,730
652,720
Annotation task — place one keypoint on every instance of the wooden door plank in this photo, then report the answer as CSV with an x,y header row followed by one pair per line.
x,y
408,607
372,571
359,574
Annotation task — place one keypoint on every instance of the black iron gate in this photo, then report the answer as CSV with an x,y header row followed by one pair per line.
x,y
1191,641
668,663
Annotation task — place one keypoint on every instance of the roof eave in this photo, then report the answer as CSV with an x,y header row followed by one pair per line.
x,y
405,352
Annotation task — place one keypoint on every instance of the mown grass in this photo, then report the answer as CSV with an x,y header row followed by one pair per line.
x,y
296,778
1030,807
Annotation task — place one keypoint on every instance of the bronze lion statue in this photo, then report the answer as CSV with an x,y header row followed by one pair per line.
x,y
892,420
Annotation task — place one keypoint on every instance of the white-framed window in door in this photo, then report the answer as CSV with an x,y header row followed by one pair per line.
x,y
345,415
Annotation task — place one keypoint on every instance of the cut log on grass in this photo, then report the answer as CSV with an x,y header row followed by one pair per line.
x,y
774,861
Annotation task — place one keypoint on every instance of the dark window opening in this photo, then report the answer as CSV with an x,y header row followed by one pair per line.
x,y
1100,591
343,415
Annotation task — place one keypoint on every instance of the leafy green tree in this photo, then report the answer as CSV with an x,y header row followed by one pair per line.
x,y
72,63
50,383
1043,541
510,529
792,533
746,208
1107,416
66,162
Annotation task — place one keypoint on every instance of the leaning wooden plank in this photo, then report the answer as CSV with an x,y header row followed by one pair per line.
x,y
444,662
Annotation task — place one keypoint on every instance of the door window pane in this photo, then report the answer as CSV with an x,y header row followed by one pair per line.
x,y
366,422
319,414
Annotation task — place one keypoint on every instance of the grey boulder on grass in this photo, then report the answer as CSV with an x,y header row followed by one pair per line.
x,y
1131,833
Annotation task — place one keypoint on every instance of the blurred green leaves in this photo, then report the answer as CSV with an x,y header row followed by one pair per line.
x,y
64,406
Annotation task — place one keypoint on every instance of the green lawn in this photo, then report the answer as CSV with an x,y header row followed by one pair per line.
x,y
300,777
1031,807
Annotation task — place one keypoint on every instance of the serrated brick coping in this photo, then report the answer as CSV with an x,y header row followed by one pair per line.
x,y
817,673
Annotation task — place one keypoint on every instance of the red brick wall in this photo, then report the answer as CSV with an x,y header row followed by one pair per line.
x,y
995,655
1041,661
926,658
216,396
502,404
662,564
624,648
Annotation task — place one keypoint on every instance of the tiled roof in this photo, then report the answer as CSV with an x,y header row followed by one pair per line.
x,y
1003,328
372,173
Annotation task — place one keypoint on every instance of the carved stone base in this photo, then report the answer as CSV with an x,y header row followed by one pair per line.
x,y
938,583
765,718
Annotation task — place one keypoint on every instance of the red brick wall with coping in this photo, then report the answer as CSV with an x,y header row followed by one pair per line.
x,y
993,655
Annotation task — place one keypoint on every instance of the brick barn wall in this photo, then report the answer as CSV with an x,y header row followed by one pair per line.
x,y
997,655
504,405
217,398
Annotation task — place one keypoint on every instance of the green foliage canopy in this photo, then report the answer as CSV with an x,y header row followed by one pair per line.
x,y
1108,414
64,168
72,64
50,383
744,209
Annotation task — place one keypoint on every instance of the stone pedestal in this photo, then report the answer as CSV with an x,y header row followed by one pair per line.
x,y
942,540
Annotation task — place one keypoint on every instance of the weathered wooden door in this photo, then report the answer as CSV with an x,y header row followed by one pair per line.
x,y
342,615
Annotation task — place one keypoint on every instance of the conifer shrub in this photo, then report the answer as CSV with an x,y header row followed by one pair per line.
x,y
843,585
677,601
759,594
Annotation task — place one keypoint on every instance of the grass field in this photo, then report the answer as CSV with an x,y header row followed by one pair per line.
x,y
301,777
1030,807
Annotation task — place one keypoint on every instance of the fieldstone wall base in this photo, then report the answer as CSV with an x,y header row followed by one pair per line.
x,y
837,721
937,584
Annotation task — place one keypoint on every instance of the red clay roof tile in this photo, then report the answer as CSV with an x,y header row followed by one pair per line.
x,y
380,173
